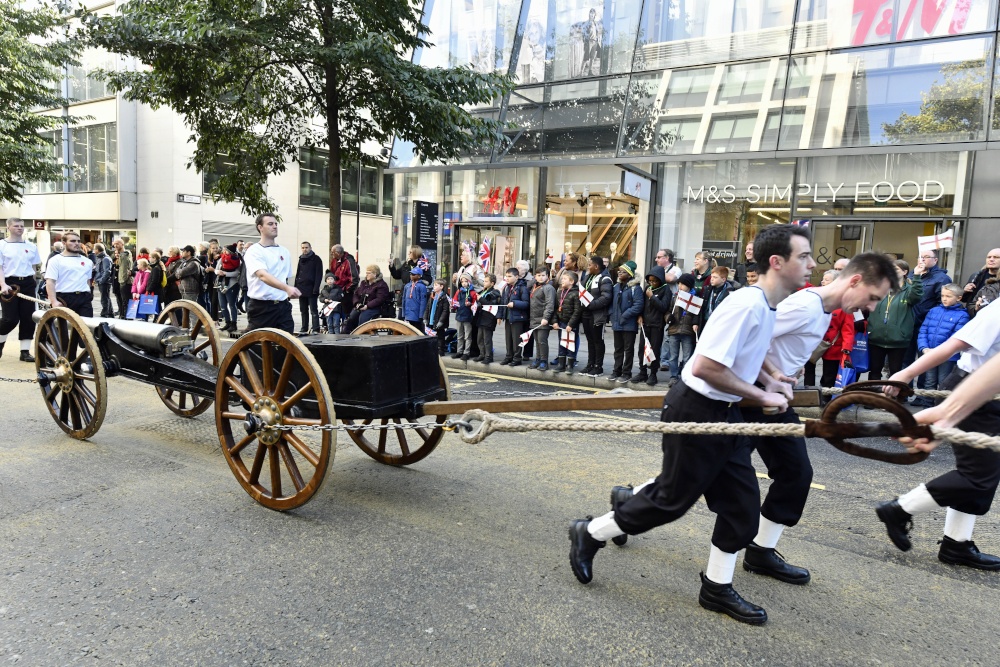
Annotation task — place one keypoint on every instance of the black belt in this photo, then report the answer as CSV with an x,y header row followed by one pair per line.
x,y
697,397
73,293
270,300
19,279
960,373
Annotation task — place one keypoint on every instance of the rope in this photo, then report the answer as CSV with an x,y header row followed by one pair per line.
x,y
493,424
46,304
929,393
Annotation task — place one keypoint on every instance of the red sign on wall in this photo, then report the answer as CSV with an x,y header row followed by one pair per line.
x,y
498,203
40,225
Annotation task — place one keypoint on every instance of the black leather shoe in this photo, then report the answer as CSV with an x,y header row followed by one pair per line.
x,y
619,494
966,553
723,598
898,523
26,356
506,362
582,550
770,563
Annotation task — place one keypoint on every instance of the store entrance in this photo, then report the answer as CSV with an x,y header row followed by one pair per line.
x,y
495,247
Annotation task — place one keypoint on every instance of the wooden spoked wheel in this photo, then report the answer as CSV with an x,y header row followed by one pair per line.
x,y
273,376
397,447
194,319
77,396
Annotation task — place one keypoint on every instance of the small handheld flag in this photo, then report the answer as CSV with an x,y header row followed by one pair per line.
x,y
689,302
648,356
938,241
585,296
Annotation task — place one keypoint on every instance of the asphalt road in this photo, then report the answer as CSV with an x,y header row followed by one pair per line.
x,y
139,548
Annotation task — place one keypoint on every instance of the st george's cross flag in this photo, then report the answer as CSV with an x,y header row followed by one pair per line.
x,y
429,331
689,302
567,339
648,356
492,310
526,336
329,308
938,241
585,296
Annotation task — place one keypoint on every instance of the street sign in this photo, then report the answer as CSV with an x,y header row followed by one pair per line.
x,y
188,199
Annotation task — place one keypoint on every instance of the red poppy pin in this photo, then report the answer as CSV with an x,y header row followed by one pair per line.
x,y
82,264
25,251
281,257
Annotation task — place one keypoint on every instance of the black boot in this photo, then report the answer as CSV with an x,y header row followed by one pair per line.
x,y
723,598
966,553
560,365
641,377
582,550
571,367
770,563
26,356
898,523
652,378
619,494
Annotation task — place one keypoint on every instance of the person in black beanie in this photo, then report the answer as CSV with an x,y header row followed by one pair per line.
x,y
595,297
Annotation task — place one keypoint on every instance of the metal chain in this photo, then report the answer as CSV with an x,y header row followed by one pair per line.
x,y
18,380
448,426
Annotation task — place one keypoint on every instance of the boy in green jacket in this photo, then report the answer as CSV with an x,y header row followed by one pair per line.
x,y
890,326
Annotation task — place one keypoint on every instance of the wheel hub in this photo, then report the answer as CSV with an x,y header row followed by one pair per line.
x,y
269,412
63,371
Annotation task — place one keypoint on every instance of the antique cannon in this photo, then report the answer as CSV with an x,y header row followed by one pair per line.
x,y
277,397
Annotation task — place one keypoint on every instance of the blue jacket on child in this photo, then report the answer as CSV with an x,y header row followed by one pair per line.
x,y
941,324
518,295
627,302
463,313
414,301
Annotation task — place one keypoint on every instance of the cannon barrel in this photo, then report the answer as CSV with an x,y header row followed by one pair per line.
x,y
146,336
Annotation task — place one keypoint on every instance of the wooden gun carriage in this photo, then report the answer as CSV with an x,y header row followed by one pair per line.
x,y
277,397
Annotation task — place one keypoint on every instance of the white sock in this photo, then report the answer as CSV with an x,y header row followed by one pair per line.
x,y
958,525
3,339
917,501
643,485
26,345
721,566
603,528
768,533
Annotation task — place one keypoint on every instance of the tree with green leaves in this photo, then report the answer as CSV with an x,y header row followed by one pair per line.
x,y
260,79
34,47
951,109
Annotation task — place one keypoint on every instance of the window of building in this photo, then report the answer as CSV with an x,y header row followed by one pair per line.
x,y
314,185
729,134
54,139
689,88
83,82
223,163
388,198
94,157
743,83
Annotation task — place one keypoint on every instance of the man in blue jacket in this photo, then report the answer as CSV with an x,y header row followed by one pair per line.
x,y
627,302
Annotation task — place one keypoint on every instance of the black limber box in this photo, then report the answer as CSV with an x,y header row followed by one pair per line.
x,y
377,376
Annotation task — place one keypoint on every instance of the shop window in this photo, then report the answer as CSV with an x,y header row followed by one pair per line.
x,y
822,24
743,83
94,157
729,134
674,34
926,93
55,142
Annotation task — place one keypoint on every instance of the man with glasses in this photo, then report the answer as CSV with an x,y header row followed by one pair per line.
x,y
934,278
671,272
68,278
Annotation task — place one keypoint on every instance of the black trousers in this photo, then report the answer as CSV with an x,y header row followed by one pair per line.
x,y
106,309
17,313
595,342
81,303
970,487
877,357
124,295
655,337
270,314
624,350
716,466
419,324
809,374
307,306
787,461
484,336
512,338
830,370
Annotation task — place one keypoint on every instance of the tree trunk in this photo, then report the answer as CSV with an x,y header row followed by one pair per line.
x,y
333,143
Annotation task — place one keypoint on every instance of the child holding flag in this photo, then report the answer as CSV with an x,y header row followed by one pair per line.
x,y
680,327
569,312
436,315
486,318
653,320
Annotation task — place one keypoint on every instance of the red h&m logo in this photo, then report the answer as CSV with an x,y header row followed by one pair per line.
x,y
497,203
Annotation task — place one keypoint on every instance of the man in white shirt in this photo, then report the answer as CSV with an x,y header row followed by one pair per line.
x,y
802,321
724,369
68,278
18,260
269,268
968,490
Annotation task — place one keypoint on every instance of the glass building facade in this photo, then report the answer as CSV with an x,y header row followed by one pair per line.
x,y
690,124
